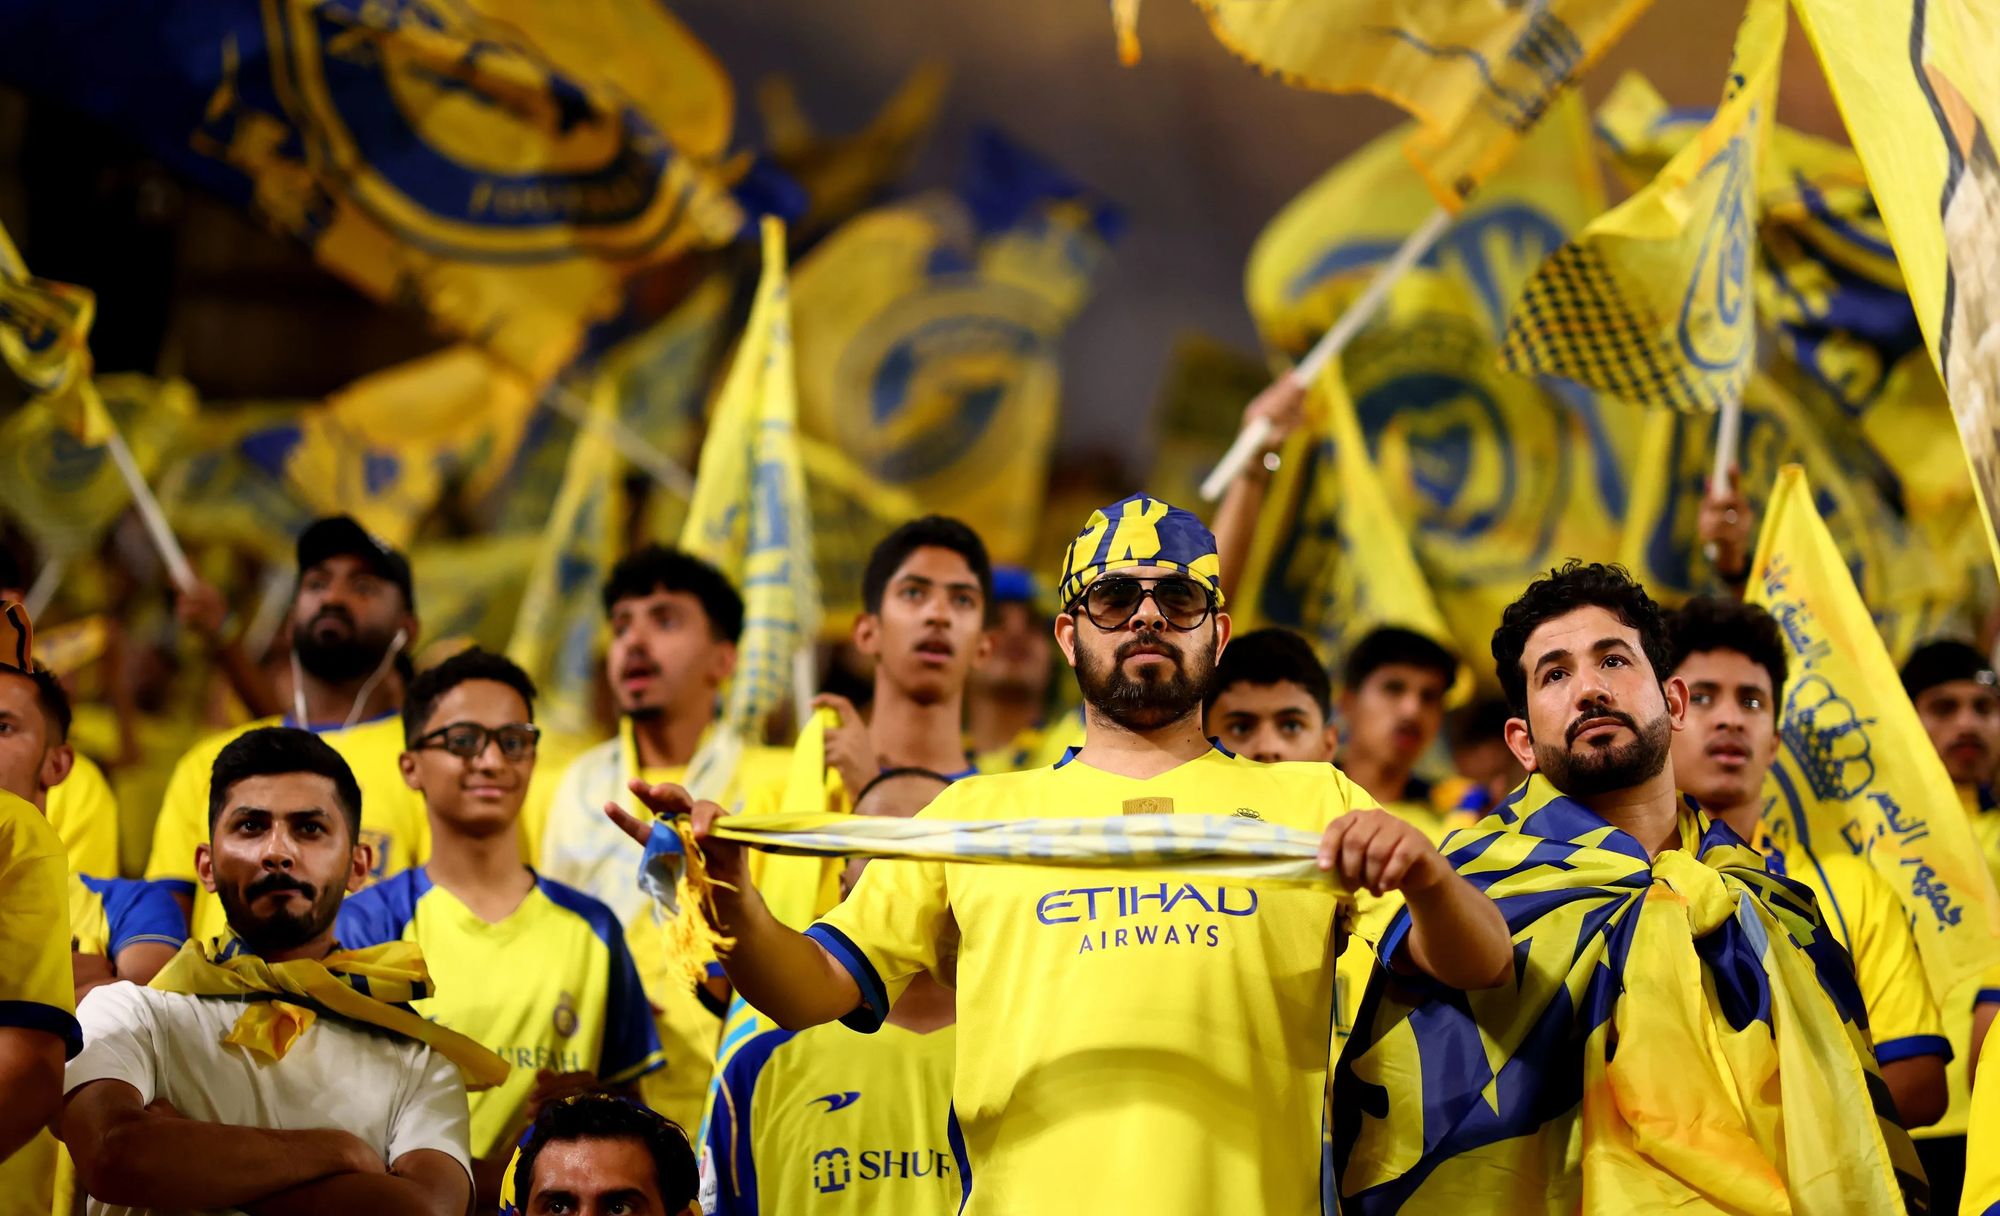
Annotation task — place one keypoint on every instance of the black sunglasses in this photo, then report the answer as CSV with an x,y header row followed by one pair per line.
x,y
467,740
1112,600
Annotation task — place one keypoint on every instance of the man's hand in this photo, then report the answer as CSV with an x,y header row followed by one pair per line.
x,y
849,747
1723,527
1282,405
1374,851
727,862
201,609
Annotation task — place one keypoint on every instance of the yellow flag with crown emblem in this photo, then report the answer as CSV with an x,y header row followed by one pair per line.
x,y
1653,302
1855,771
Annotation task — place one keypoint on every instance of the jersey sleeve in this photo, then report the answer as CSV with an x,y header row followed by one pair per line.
x,y
118,1041
732,1154
371,916
1901,1013
37,991
182,823
84,813
887,930
431,1111
139,913
631,1038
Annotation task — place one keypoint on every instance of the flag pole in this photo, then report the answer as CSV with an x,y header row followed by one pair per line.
x,y
1728,436
1331,343
47,579
631,444
150,512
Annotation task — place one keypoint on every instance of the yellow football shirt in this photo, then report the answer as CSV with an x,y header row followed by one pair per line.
x,y
392,814
832,1122
36,987
84,813
550,987
1982,1146
1982,814
108,914
1127,1042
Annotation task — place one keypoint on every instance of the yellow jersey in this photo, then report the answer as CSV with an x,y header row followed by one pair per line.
x,y
37,991
393,820
1982,1144
1982,815
1126,1042
830,1122
549,987
84,813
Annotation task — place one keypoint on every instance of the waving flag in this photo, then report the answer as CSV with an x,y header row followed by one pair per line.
x,y
749,517
64,491
425,153
1653,302
1476,74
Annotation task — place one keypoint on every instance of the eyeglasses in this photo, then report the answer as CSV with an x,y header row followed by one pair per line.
x,y
1112,600
467,740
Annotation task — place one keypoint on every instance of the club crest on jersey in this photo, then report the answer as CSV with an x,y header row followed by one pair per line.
x,y
1244,812
839,1101
565,1018
832,1170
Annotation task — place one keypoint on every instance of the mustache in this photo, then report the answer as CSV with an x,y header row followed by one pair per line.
x,y
1598,715
1151,642
277,882
331,612
1967,741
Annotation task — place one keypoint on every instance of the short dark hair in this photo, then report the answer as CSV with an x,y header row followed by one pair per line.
x,y
599,1116
1479,722
1575,585
1714,622
49,698
270,751
1378,648
927,532
1271,656
1944,661
471,663
657,568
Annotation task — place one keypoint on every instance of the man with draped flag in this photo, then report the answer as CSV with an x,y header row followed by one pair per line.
x,y
1476,74
269,1066
1679,1023
1152,1043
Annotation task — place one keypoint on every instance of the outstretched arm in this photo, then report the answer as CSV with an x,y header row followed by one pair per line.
x,y
150,1157
1457,935
1280,406
781,972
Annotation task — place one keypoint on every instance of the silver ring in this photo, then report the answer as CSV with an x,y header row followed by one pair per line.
x,y
1729,516
1711,551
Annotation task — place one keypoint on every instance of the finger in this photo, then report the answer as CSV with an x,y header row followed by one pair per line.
x,y
1377,856
849,716
1735,476
663,800
703,816
1329,841
1354,849
1397,865
638,829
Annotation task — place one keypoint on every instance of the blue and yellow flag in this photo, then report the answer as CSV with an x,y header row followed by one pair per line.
x,y
1476,74
1493,476
1653,302
1856,771
927,336
65,492
841,174
1676,1030
45,340
428,154
1198,412
750,519
557,633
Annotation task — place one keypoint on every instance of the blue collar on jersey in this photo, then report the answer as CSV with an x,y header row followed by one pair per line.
x,y
1069,753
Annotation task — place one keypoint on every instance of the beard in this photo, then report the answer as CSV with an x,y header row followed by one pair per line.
x,y
340,660
1599,770
1167,692
267,934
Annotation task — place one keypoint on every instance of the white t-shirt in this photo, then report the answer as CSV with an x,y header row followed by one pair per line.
x,y
395,1094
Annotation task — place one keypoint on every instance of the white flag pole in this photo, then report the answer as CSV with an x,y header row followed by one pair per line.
x,y
1728,436
1359,313
151,513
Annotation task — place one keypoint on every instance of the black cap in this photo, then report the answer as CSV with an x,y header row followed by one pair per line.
x,y
1936,663
341,536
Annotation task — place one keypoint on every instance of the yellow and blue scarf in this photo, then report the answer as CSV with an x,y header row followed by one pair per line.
x,y
1681,1034
281,1001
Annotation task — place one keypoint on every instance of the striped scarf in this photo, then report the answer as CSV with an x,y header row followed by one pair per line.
x,y
281,1001
1682,1034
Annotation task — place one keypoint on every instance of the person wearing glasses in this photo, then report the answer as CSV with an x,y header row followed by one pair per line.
x,y
537,971
1141,1042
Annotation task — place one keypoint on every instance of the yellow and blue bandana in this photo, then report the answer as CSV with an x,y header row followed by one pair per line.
x,y
17,637
1140,531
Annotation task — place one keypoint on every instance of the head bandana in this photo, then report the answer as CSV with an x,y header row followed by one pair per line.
x,y
1140,531
17,637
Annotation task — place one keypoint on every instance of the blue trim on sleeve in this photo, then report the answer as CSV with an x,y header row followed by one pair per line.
x,y
1909,1047
955,1136
600,918
178,886
136,911
382,912
1392,939
631,1046
33,1015
731,1146
1986,996
867,1016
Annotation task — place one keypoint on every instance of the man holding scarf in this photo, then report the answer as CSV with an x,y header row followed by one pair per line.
x,y
255,1073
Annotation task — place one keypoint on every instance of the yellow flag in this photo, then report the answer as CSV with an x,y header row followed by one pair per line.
x,y
1476,74
1199,409
1914,80
45,339
842,174
749,518
1855,770
557,632
471,589
65,492
1653,302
